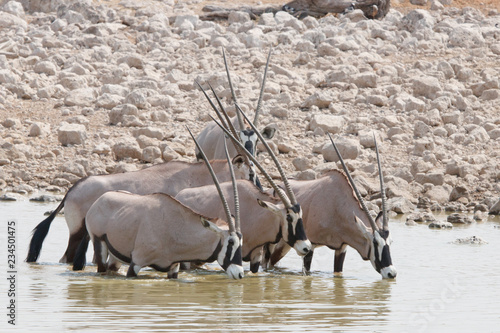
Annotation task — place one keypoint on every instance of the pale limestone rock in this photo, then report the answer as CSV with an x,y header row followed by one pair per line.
x,y
71,134
328,123
127,147
348,148
39,129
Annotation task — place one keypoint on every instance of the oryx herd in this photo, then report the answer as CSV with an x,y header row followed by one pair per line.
x,y
179,212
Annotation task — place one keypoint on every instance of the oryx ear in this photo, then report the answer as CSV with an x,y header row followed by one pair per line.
x,y
210,225
268,132
238,160
367,233
270,206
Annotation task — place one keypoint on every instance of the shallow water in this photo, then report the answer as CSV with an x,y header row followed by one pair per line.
x,y
440,287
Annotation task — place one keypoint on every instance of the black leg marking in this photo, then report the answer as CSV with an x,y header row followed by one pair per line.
x,y
307,261
131,271
338,262
100,261
80,256
73,243
254,267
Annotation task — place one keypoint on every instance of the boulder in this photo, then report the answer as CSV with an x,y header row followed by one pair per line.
x,y
127,147
71,134
81,97
118,113
459,218
440,225
495,209
328,123
426,86
400,205
39,129
348,148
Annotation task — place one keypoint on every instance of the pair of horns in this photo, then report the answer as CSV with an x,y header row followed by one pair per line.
x,y
385,225
233,227
224,119
288,199
257,110
226,125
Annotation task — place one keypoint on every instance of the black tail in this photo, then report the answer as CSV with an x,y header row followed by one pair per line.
x,y
39,234
80,259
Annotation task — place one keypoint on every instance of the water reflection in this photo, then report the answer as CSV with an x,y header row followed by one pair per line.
x,y
211,301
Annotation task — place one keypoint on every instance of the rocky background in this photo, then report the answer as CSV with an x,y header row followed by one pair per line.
x,y
96,87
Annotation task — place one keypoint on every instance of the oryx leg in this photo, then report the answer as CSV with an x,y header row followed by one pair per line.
x,y
113,263
74,240
101,254
338,262
280,250
255,259
133,269
173,272
306,261
267,250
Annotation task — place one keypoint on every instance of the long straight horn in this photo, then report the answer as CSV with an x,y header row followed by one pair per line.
x,y
356,191
240,120
385,225
257,110
288,189
217,185
283,197
223,120
235,191
224,113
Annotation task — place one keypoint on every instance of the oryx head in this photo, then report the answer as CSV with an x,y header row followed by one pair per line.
x,y
247,134
229,256
292,226
378,238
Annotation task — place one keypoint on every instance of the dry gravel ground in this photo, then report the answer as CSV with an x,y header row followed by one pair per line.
x,y
460,164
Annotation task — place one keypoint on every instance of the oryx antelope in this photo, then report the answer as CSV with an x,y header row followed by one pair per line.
x,y
211,138
289,211
168,178
157,230
335,215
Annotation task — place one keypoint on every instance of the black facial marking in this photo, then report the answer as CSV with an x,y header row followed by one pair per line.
x,y
249,146
248,132
236,259
299,232
386,260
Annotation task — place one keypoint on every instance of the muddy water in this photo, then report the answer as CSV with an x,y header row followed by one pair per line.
x,y
440,287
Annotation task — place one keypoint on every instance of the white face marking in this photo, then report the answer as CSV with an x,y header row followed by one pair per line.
x,y
233,271
381,244
388,272
302,247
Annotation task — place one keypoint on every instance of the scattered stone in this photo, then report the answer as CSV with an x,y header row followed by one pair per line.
x,y
440,225
459,218
47,198
495,209
472,240
71,134
328,123
423,217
